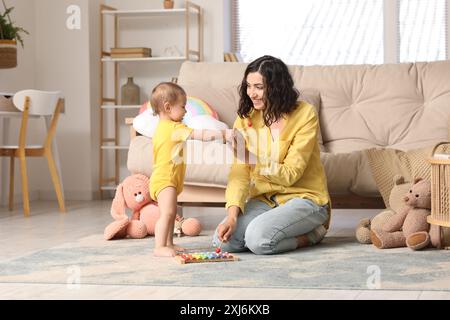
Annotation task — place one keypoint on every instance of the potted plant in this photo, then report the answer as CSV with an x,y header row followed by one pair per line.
x,y
10,34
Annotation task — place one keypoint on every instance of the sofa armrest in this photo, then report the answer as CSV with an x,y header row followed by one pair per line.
x,y
448,128
129,122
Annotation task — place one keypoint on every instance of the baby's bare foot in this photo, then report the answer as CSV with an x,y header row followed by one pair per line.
x,y
177,248
164,252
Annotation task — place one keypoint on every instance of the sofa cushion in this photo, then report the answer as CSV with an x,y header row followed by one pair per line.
x,y
207,74
348,173
414,95
224,100
312,96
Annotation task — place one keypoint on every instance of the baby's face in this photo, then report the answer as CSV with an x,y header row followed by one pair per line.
x,y
178,110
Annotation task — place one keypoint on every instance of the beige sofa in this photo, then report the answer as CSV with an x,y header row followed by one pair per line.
x,y
399,106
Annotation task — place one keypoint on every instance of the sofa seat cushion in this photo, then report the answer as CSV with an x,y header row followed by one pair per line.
x,y
349,173
208,164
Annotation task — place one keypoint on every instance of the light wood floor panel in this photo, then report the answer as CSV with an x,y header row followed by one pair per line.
x,y
388,295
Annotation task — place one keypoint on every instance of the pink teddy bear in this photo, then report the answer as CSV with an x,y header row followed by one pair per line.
x,y
133,193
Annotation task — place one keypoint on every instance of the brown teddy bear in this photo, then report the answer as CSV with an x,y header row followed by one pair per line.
x,y
395,202
409,226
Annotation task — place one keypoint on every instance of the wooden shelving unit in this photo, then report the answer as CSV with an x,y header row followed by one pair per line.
x,y
111,104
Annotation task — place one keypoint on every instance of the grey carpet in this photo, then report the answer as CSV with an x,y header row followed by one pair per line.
x,y
337,263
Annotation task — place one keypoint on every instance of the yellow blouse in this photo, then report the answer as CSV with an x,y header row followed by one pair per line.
x,y
169,165
288,165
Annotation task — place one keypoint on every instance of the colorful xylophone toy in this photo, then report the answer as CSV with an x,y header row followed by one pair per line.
x,y
202,257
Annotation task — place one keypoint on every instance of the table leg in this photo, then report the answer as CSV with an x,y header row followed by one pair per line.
x,y
55,155
4,129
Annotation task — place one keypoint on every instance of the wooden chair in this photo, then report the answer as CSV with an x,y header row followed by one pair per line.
x,y
40,103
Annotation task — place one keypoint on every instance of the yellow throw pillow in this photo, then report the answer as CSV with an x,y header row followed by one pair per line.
x,y
386,163
411,164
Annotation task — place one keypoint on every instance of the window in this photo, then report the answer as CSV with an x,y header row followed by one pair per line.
x,y
423,33
329,32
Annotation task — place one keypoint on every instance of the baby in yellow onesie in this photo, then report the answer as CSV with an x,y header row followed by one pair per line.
x,y
168,100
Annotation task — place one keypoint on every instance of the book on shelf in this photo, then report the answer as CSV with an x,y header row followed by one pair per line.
x,y
128,55
120,53
141,50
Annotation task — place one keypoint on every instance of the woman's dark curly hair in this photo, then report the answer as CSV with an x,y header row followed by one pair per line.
x,y
280,96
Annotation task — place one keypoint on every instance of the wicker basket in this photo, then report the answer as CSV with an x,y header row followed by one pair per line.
x,y
440,193
8,54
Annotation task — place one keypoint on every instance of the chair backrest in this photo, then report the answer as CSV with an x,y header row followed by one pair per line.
x,y
42,103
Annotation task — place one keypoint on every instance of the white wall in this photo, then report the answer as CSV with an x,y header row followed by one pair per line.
x,y
94,85
227,26
214,30
59,59
63,63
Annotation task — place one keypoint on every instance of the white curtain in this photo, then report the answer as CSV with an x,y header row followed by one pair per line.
x,y
423,30
329,32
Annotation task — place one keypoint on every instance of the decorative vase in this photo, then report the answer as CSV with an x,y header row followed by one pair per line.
x,y
130,93
8,54
168,4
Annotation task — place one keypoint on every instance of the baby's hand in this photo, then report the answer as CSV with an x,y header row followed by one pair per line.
x,y
228,135
238,139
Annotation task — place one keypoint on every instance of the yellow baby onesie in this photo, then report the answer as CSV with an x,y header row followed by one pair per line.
x,y
169,166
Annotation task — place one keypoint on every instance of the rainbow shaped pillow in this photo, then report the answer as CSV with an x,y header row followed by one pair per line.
x,y
198,107
194,107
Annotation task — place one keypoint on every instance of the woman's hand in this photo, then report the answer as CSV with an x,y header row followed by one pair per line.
x,y
226,229
236,139
233,137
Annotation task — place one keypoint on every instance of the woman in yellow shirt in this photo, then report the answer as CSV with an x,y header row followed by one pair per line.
x,y
279,202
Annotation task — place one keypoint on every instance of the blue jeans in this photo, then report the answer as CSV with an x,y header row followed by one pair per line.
x,y
266,230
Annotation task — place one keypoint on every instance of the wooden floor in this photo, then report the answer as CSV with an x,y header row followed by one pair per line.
x,y
46,228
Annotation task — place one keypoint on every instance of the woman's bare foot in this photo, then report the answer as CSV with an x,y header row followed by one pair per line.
x,y
312,237
302,241
164,252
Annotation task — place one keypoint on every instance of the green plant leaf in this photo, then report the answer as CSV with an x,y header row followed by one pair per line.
x,y
8,29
